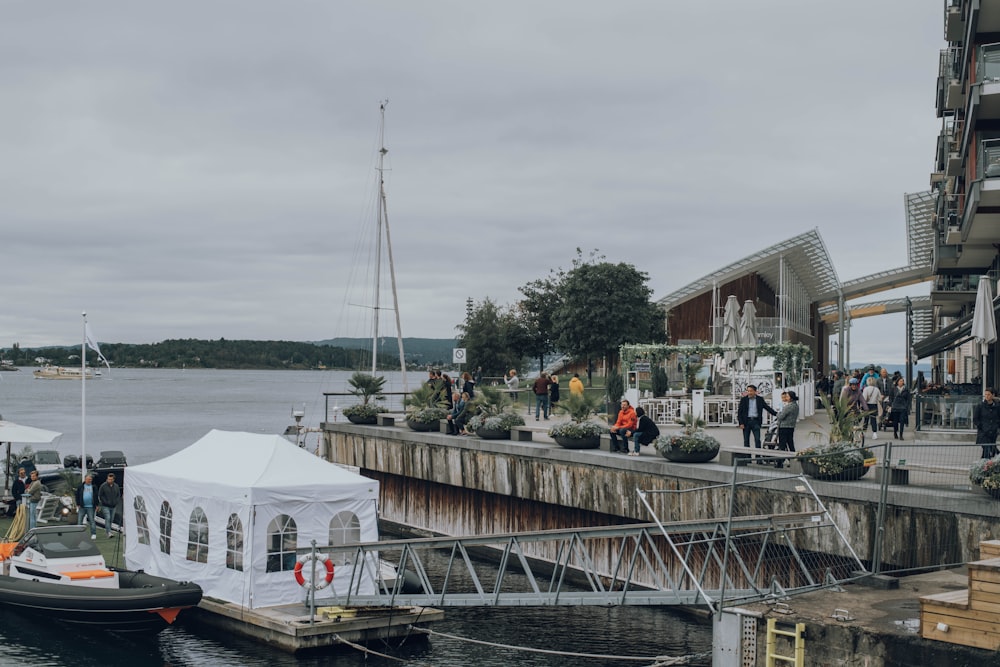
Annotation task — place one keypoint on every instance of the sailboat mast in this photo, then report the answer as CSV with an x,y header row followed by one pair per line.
x,y
380,206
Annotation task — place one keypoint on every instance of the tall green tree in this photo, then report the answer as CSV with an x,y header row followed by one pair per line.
x,y
536,311
493,337
602,306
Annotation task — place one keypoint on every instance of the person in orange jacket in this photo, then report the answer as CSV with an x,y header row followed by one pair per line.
x,y
623,428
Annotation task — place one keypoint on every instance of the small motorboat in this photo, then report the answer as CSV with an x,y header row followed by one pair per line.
x,y
59,572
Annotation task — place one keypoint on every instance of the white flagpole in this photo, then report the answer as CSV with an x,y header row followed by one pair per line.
x,y
83,400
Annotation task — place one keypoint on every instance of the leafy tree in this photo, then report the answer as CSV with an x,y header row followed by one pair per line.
x,y
602,306
536,310
493,337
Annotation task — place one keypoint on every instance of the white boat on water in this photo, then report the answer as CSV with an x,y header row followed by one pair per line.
x,y
64,373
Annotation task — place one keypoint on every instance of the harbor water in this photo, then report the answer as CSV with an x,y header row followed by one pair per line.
x,y
149,414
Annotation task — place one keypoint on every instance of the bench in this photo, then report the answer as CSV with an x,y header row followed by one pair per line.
x,y
385,420
520,433
739,455
899,472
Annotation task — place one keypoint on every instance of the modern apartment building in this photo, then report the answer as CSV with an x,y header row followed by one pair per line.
x,y
966,186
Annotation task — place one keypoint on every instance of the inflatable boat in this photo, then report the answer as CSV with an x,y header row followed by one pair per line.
x,y
59,572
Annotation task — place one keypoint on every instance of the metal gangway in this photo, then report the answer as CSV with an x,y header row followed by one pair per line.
x,y
743,556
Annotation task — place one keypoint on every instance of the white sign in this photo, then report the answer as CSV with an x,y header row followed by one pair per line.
x,y
458,355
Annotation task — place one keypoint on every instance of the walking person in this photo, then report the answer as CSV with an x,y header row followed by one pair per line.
x,y
986,419
86,503
512,383
624,427
541,389
900,410
788,415
873,398
109,496
750,415
553,393
34,492
576,385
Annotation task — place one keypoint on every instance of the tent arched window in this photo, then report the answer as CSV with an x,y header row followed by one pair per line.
x,y
234,543
282,540
197,547
141,527
345,528
166,525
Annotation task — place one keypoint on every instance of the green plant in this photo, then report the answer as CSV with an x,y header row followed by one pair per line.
x,y
614,386
491,401
367,387
661,385
986,473
836,457
364,410
503,421
843,420
579,407
696,441
424,405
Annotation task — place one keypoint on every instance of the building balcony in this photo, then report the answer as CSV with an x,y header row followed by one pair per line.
x,y
950,93
954,21
985,104
966,241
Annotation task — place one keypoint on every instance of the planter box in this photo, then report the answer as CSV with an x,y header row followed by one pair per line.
x,y
423,426
810,468
358,419
679,456
491,434
589,442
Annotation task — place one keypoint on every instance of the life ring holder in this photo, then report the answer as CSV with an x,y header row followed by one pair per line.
x,y
322,583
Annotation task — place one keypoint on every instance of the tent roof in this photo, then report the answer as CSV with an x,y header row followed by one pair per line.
x,y
251,460
11,432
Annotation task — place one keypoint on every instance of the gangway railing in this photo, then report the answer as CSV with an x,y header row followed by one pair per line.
x,y
739,557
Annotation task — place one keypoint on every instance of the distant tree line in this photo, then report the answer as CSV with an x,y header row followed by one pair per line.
x,y
194,353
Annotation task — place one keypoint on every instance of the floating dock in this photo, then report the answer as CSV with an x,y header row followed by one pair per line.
x,y
290,628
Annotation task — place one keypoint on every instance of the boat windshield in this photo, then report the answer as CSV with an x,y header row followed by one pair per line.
x,y
47,457
65,544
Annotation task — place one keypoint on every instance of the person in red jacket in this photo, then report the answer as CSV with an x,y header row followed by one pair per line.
x,y
623,428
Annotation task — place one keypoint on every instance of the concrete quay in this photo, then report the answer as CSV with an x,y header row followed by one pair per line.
x,y
451,485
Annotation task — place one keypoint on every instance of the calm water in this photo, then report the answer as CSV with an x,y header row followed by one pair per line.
x,y
149,414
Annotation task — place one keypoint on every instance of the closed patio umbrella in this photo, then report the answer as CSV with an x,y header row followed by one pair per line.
x,y
731,330
984,321
748,334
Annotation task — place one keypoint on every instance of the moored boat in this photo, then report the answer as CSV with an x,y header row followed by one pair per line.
x,y
59,572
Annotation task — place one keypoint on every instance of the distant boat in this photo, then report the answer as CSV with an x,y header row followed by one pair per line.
x,y
64,373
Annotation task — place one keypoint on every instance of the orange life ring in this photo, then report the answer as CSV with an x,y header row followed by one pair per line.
x,y
323,583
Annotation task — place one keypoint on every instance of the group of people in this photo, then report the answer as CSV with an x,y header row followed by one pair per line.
x,y
874,396
445,388
89,498
545,389
632,423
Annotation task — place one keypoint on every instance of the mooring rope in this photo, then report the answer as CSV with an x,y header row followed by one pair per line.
x,y
365,649
658,661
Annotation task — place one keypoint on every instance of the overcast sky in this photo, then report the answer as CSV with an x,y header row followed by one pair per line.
x,y
205,169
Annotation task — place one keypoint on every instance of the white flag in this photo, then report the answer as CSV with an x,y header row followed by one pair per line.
x,y
92,344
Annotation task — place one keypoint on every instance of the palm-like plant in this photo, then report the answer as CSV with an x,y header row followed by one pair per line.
x,y
493,410
369,389
580,408
840,454
425,405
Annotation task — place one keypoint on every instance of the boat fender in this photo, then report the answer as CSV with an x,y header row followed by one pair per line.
x,y
322,583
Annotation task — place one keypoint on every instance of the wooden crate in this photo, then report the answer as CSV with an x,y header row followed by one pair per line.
x,y
970,617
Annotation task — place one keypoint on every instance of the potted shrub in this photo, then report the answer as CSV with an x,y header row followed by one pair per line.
x,y
424,409
579,432
494,415
691,445
369,389
841,458
986,473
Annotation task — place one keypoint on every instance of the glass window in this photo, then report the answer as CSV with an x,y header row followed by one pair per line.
x,y
282,539
198,536
142,528
166,524
345,528
234,543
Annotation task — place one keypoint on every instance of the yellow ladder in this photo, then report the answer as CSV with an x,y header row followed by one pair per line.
x,y
799,659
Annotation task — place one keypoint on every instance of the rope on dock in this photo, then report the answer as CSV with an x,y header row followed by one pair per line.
x,y
365,649
658,661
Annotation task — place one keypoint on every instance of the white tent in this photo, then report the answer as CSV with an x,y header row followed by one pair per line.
x,y
229,511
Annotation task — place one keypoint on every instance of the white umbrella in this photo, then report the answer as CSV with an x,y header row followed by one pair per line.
x,y
28,435
984,322
748,334
731,330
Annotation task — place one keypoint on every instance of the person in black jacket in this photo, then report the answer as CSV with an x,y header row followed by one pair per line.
x,y
645,432
986,419
17,490
750,415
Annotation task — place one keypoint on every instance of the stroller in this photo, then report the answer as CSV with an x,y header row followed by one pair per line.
x,y
770,439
